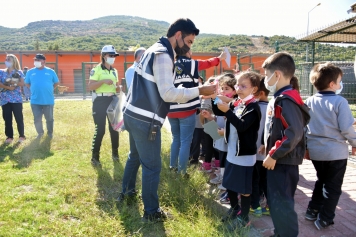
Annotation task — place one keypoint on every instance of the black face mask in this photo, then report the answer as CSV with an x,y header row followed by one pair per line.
x,y
181,51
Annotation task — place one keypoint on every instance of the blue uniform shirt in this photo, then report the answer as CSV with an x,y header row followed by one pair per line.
x,y
41,85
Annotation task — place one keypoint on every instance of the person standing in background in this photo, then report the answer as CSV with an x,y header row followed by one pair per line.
x,y
11,80
42,81
26,90
105,83
129,74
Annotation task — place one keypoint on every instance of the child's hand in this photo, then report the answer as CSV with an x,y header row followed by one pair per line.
x,y
306,155
223,107
222,55
206,114
221,131
261,150
269,163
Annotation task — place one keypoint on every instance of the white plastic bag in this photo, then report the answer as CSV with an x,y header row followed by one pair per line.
x,y
114,111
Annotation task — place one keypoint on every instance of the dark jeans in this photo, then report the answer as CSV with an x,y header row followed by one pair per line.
x,y
147,153
327,189
100,106
40,110
281,185
210,150
195,146
259,182
7,111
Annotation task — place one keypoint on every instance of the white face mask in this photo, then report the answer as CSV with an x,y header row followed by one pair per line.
x,y
272,88
38,64
110,61
8,64
339,90
247,98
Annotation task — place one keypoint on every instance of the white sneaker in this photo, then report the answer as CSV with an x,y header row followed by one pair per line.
x,y
217,179
221,187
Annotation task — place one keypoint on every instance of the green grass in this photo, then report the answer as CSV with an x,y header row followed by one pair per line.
x,y
49,188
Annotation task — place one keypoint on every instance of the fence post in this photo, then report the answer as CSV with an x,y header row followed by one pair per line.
x,y
312,65
83,79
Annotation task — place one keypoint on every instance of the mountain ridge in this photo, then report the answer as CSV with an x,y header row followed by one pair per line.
x,y
126,31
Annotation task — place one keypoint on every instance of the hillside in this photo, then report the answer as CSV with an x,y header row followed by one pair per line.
x,y
126,31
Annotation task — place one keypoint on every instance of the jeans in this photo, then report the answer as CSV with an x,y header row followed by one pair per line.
x,y
7,111
148,154
47,111
100,105
281,185
182,132
327,188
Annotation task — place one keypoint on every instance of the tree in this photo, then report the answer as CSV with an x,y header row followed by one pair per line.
x,y
37,45
55,47
50,47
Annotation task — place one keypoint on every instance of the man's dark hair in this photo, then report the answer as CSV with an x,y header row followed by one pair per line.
x,y
322,74
185,25
282,62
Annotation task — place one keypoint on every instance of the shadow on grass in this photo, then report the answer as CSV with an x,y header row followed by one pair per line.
x,y
35,149
129,212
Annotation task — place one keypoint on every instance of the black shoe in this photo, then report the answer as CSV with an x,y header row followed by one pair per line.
x,y
320,224
311,214
158,216
173,169
193,162
231,214
131,197
95,162
95,159
115,157
186,176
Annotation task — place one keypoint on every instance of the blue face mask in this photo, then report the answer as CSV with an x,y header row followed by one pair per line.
x,y
339,90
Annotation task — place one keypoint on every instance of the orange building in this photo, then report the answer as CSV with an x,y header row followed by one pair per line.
x,y
73,67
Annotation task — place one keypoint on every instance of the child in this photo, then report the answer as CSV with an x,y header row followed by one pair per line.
x,y
197,136
259,181
285,146
227,92
242,123
182,116
208,141
329,128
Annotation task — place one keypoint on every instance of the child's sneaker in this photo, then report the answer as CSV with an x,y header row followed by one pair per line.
x,y
239,223
216,164
311,214
217,180
320,224
231,214
225,200
221,187
206,167
224,194
256,212
265,211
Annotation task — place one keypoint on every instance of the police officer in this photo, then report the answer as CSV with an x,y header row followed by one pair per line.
x,y
104,82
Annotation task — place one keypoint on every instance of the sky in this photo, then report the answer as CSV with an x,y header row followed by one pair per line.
x,y
248,17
